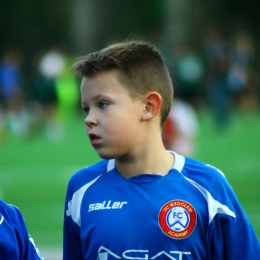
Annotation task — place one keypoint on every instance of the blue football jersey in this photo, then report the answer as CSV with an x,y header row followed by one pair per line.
x,y
191,213
15,242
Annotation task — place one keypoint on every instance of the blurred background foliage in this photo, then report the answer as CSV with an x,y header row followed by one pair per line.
x,y
37,24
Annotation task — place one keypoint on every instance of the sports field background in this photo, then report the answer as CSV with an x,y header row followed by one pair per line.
x,y
34,173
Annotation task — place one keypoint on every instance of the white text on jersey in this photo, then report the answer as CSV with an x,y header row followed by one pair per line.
x,y
106,205
104,254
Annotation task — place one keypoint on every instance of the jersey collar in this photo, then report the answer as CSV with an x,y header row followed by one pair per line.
x,y
179,162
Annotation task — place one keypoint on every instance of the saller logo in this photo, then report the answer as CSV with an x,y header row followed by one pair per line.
x,y
106,205
177,219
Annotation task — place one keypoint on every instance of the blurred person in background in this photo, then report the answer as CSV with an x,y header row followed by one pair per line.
x,y
45,109
66,87
189,75
242,77
217,59
181,128
12,105
15,242
2,118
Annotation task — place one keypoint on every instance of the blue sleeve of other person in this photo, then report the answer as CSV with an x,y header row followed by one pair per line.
x,y
15,242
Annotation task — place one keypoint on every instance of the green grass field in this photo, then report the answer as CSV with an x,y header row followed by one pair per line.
x,y
34,173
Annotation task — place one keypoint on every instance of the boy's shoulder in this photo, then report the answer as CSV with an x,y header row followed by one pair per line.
x,y
89,173
198,170
199,167
206,176
193,168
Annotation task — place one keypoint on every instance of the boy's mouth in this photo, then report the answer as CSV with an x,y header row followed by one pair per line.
x,y
93,138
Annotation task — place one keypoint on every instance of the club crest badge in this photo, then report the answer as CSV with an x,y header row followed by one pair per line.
x,y
177,219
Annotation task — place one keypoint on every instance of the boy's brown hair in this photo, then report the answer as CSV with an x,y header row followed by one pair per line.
x,y
139,66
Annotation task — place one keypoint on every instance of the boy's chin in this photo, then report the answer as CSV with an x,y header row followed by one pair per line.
x,y
110,153
105,155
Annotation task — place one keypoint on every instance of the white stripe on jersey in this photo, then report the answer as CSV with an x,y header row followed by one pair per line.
x,y
214,206
74,205
110,165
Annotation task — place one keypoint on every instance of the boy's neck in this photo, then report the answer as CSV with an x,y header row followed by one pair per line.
x,y
154,162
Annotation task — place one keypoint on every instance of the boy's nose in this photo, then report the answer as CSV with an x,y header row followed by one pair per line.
x,y
90,120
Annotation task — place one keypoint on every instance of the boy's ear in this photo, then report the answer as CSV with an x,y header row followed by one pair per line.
x,y
152,105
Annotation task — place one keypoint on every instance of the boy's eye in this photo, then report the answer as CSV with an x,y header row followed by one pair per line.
x,y
103,104
86,110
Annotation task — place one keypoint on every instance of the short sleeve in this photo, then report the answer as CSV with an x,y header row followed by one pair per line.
x,y
15,242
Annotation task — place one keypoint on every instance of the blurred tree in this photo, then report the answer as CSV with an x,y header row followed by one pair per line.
x,y
97,22
33,25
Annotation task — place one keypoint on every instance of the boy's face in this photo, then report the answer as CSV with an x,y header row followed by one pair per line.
x,y
113,119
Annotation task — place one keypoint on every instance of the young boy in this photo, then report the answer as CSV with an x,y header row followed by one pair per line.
x,y
142,201
15,242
